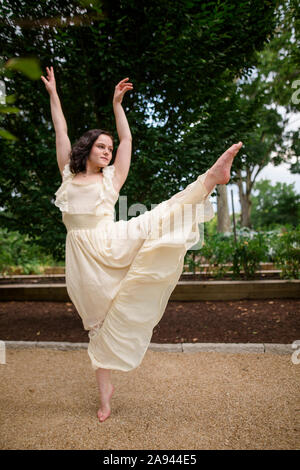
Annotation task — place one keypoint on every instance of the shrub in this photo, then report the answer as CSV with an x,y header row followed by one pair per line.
x,y
287,253
20,255
217,250
251,249
247,255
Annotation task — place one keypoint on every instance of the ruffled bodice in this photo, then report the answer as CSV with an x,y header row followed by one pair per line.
x,y
97,198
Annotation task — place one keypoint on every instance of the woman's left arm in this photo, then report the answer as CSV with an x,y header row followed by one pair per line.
x,y
123,156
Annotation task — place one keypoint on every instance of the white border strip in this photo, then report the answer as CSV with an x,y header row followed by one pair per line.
x,y
231,348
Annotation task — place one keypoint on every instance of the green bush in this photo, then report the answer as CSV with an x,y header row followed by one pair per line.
x,y
247,256
18,252
217,249
287,253
280,246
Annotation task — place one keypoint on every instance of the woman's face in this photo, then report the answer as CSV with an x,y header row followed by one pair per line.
x,y
101,151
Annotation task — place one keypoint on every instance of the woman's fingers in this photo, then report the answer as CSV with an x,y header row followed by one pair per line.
x,y
123,89
126,84
50,70
126,89
50,73
123,82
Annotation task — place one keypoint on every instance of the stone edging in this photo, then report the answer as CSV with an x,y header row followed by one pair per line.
x,y
184,291
233,348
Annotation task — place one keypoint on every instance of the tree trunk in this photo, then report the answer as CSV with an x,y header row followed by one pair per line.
x,y
246,210
245,200
224,224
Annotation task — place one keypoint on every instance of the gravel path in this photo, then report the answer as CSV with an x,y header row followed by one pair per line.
x,y
171,401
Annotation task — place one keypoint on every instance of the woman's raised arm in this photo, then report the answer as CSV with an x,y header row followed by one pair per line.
x,y
63,145
123,156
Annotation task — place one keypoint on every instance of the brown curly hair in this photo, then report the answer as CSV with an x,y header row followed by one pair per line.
x,y
82,147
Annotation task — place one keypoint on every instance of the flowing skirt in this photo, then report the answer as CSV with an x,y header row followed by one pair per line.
x,y
120,275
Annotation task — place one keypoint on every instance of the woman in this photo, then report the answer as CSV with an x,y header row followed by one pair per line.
x,y
120,275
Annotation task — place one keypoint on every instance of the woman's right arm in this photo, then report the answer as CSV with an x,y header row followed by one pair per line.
x,y
63,145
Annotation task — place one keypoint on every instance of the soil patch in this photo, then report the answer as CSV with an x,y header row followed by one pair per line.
x,y
237,321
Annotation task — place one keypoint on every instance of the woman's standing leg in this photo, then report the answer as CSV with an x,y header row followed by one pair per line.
x,y
106,390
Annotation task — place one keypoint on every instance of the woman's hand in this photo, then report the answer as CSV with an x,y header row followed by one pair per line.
x,y
121,89
50,83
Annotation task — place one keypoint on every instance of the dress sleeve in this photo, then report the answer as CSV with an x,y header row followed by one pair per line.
x,y
67,172
108,174
61,197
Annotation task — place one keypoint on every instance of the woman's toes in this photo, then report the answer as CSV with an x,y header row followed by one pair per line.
x,y
233,150
103,415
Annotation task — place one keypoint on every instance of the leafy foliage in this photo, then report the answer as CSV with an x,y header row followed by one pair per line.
x,y
182,58
287,255
247,255
19,253
242,259
275,204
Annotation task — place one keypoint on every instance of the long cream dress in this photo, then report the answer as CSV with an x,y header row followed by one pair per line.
x,y
120,274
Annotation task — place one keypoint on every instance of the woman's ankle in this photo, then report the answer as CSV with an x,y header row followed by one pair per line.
x,y
209,181
103,376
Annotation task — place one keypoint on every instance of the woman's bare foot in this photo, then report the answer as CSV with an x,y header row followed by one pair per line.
x,y
104,410
106,390
219,173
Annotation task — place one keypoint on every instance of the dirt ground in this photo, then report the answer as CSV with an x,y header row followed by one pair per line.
x,y
49,400
239,321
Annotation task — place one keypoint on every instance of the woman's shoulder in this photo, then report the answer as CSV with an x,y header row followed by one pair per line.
x,y
109,170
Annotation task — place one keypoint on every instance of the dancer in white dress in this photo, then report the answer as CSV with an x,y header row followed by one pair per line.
x,y
120,274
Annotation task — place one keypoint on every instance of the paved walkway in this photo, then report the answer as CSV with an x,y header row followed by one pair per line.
x,y
199,400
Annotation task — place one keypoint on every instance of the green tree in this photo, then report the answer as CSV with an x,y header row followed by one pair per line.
x,y
280,72
265,141
181,57
260,95
274,204
280,59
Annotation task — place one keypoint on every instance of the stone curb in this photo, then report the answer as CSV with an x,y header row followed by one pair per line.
x,y
232,348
